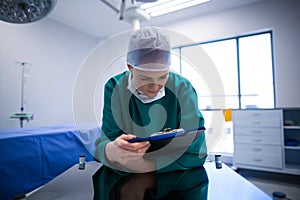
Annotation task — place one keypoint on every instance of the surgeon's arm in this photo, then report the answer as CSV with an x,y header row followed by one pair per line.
x,y
191,117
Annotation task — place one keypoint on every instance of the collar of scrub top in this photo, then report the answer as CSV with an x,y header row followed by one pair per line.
x,y
140,95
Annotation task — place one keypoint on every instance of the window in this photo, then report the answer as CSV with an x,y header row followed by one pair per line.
x,y
244,66
256,71
224,56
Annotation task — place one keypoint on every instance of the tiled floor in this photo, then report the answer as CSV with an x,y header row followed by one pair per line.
x,y
270,182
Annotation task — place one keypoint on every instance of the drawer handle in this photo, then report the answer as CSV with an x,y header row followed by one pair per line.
x,y
256,140
256,123
257,132
257,149
256,114
257,160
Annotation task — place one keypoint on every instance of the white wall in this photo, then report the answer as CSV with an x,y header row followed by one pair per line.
x,y
283,17
55,53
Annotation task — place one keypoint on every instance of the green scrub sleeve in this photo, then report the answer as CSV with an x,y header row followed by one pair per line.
x,y
110,131
190,117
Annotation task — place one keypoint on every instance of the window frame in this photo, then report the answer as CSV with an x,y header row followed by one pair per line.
x,y
237,39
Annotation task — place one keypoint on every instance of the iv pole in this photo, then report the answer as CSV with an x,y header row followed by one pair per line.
x,y
21,116
22,85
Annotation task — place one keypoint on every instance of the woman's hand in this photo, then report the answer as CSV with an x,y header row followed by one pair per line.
x,y
130,155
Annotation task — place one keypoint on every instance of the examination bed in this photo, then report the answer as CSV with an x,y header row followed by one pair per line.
x,y
49,156
224,184
31,157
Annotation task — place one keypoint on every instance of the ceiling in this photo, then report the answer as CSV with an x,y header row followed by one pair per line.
x,y
98,20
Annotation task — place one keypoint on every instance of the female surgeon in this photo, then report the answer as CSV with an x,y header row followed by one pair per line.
x,y
146,99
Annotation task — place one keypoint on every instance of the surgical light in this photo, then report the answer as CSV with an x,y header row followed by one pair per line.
x,y
24,11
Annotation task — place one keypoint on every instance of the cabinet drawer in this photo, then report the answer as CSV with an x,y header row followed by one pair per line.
x,y
258,149
256,155
270,132
248,139
271,161
259,118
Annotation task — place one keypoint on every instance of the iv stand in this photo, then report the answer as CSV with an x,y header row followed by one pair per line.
x,y
21,116
22,86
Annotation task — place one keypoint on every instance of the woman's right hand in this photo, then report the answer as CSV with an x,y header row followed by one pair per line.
x,y
124,152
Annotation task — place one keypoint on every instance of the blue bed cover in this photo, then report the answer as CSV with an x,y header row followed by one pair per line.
x,y
30,157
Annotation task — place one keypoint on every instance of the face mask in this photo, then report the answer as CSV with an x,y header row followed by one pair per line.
x,y
141,96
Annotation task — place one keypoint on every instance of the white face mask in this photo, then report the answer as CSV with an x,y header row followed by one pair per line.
x,y
140,95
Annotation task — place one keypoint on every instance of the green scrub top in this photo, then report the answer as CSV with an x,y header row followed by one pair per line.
x,y
124,113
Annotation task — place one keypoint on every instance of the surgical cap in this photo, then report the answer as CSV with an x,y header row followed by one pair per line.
x,y
149,49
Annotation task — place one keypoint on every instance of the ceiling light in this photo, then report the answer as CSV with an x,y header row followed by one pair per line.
x,y
161,7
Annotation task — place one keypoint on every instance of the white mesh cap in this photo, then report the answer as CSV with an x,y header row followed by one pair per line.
x,y
149,49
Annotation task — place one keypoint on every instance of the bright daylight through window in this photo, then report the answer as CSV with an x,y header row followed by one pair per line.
x,y
245,66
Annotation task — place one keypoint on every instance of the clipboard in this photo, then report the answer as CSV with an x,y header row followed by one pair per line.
x,y
167,134
161,139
